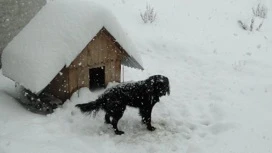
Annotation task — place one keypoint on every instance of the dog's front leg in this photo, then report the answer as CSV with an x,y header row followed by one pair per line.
x,y
146,118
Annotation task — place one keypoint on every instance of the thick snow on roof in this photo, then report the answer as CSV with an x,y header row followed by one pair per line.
x,y
54,38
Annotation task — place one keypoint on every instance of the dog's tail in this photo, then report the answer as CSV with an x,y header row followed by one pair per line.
x,y
91,107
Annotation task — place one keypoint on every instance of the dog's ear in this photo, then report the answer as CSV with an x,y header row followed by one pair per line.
x,y
166,85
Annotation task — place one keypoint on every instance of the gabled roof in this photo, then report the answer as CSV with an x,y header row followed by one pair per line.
x,y
55,37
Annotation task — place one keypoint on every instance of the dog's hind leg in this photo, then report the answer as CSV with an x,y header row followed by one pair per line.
x,y
114,123
116,111
107,118
146,118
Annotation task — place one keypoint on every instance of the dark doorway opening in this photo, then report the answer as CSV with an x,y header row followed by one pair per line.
x,y
97,78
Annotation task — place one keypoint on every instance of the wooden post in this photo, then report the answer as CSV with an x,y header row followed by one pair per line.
x,y
123,73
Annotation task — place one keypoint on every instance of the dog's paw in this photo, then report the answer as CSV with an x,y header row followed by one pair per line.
x,y
108,122
151,128
119,132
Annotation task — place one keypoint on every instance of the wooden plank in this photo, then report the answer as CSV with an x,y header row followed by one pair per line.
x,y
83,80
91,59
89,54
84,58
100,48
111,69
73,79
107,73
118,71
114,71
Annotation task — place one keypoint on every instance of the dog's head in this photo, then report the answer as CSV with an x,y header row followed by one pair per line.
x,y
158,85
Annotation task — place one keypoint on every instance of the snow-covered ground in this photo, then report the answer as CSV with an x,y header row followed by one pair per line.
x,y
221,87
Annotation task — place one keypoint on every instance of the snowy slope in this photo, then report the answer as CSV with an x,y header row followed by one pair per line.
x,y
220,78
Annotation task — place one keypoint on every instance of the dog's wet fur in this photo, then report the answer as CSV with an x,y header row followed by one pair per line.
x,y
141,94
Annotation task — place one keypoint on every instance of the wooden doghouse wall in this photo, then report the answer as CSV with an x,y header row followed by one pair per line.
x,y
101,51
59,86
79,72
104,51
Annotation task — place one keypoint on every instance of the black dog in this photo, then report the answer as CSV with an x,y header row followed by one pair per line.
x,y
142,94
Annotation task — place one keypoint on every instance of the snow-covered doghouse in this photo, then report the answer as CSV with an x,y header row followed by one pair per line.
x,y
69,44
